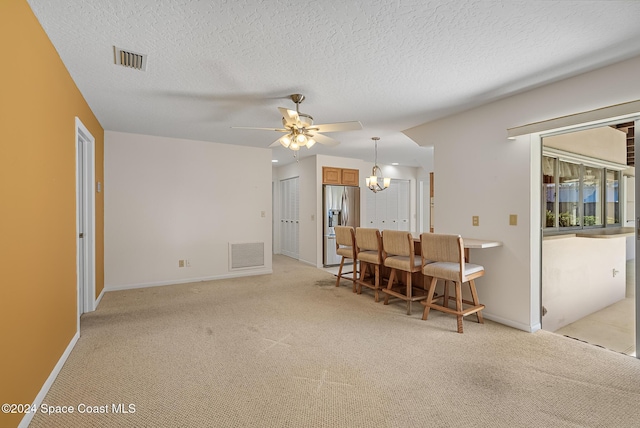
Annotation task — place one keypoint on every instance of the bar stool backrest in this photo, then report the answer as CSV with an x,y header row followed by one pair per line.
x,y
368,239
397,243
442,248
345,237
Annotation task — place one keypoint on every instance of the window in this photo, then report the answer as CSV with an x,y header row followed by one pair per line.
x,y
549,191
568,190
592,196
612,195
577,195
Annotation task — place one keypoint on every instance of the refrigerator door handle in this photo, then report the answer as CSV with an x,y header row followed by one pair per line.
x,y
345,208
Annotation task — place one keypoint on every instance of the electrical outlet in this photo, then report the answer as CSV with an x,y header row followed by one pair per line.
x,y
513,219
180,263
475,220
263,213
187,263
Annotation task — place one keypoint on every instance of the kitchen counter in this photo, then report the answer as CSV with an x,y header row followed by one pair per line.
x,y
607,233
594,233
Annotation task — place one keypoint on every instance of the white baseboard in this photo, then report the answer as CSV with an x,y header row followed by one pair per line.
x,y
252,272
97,302
26,420
307,262
511,323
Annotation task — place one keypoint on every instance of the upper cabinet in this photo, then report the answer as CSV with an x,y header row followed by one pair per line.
x,y
350,177
341,176
331,175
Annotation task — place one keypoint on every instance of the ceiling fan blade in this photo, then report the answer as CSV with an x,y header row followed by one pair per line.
x,y
261,129
277,142
337,127
327,141
290,117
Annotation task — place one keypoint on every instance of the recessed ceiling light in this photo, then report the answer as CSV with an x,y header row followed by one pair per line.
x,y
395,163
274,160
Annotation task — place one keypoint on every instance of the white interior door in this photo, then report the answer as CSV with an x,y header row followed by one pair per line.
x,y
85,219
289,221
389,209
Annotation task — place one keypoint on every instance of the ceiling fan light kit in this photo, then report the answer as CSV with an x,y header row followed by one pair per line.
x,y
377,183
300,130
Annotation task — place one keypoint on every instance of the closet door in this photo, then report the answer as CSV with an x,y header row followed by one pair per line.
x,y
403,205
283,216
295,217
389,209
289,221
392,205
372,203
381,210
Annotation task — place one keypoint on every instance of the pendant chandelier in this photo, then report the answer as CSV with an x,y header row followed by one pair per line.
x,y
376,183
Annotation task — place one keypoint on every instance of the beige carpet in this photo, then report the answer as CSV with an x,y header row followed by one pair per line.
x,y
291,350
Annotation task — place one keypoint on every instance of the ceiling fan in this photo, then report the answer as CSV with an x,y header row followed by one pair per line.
x,y
300,131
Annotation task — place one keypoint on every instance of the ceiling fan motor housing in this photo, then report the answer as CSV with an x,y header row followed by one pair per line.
x,y
304,121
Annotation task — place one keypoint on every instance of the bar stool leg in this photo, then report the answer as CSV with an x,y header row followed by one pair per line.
x,y
426,303
340,272
409,293
459,305
476,302
376,281
355,275
445,302
392,277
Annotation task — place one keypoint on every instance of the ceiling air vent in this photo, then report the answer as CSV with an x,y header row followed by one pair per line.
x,y
130,59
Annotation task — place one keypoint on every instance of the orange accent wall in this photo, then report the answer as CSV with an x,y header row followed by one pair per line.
x,y
38,301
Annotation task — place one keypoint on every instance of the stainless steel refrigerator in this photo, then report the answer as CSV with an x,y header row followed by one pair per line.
x,y
341,207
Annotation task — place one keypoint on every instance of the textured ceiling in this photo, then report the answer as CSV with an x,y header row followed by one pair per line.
x,y
391,65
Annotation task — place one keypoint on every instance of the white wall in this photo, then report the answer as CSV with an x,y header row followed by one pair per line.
x,y
477,171
169,199
574,290
600,143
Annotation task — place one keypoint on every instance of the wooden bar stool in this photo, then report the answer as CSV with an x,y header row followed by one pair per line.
x,y
399,255
447,254
369,243
346,247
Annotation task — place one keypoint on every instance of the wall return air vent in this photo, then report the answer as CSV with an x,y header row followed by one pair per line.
x,y
246,255
130,59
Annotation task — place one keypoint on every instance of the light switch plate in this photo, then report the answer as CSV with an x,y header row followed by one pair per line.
x,y
513,219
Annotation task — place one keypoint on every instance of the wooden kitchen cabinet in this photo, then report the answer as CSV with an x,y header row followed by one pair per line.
x,y
340,176
331,175
350,177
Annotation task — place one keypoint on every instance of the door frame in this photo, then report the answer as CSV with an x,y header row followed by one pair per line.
x,y
86,252
636,148
538,137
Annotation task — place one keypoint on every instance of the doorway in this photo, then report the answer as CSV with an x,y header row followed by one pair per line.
x,y
85,219
588,287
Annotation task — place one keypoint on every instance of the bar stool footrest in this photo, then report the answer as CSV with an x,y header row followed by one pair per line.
x,y
464,312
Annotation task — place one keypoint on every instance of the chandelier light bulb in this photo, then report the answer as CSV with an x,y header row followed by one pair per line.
x,y
285,141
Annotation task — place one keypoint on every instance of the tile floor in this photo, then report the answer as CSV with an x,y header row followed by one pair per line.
x,y
612,327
